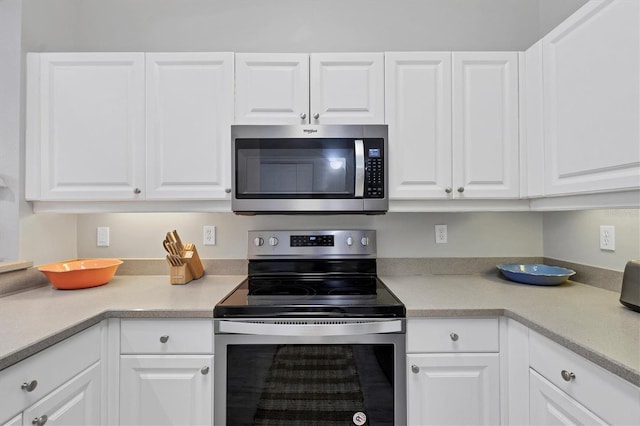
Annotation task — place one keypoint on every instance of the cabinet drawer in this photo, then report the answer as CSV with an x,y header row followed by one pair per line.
x,y
453,335
166,336
50,369
608,396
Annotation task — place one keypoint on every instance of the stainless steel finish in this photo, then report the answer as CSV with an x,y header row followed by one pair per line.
x,y
461,189
135,191
341,248
39,421
630,292
415,369
448,190
257,241
454,337
296,206
303,116
222,340
164,339
29,387
313,327
359,184
204,370
567,376
316,115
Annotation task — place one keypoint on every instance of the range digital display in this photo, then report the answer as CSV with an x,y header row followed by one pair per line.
x,y
312,241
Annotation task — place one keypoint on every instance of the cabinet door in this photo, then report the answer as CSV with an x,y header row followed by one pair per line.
x,y
166,390
418,112
453,389
272,88
485,125
347,88
16,421
189,110
77,402
85,126
550,406
592,99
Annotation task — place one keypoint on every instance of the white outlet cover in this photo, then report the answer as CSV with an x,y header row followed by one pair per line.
x,y
209,235
608,237
441,234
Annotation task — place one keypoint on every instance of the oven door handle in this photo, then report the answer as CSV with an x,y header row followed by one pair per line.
x,y
359,182
301,330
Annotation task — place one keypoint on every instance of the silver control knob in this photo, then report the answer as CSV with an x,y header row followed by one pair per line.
x,y
273,241
415,369
303,115
258,241
316,116
454,337
29,387
364,241
40,421
164,339
567,375
349,241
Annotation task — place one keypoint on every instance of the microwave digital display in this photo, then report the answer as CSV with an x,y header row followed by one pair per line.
x,y
374,152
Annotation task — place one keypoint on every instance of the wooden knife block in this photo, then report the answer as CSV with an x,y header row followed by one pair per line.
x,y
191,269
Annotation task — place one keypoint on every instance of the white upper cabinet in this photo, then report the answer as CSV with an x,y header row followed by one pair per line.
x,y
592,99
272,88
331,88
189,110
485,125
347,88
418,112
453,125
85,126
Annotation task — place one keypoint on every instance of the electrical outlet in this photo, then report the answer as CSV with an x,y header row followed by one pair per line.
x,y
441,234
209,235
608,237
102,236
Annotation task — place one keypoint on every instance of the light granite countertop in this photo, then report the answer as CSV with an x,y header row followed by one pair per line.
x,y
585,319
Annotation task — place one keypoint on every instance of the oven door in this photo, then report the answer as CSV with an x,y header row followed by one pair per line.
x,y
308,371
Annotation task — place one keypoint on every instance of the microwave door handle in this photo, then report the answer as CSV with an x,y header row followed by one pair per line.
x,y
359,184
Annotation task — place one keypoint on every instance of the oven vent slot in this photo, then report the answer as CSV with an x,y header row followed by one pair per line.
x,y
337,322
291,322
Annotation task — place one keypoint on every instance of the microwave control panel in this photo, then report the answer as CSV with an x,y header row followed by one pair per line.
x,y
374,168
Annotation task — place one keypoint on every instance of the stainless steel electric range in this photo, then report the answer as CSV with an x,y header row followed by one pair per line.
x,y
312,336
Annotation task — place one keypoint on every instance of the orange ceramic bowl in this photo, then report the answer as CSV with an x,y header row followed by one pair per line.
x,y
80,273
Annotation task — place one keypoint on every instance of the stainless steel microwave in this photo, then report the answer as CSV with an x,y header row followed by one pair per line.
x,y
325,169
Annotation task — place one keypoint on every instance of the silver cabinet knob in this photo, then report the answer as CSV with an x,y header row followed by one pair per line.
x,y
39,421
461,189
29,387
303,116
567,375
137,191
316,115
204,370
448,190
164,339
454,337
415,369
227,190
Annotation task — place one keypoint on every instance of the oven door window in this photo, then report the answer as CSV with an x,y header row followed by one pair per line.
x,y
295,168
310,384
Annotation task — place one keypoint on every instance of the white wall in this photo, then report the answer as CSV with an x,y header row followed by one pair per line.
x,y
574,237
289,25
404,235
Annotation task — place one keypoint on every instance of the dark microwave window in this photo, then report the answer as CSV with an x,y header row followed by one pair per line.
x,y
309,384
295,168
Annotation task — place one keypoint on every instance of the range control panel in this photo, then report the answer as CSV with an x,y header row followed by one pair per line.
x,y
312,244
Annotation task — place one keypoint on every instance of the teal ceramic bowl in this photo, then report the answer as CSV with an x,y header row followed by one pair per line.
x,y
536,274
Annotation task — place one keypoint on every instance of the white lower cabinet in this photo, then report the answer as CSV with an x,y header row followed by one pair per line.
x,y
453,389
62,385
166,372
550,406
166,389
76,403
453,368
